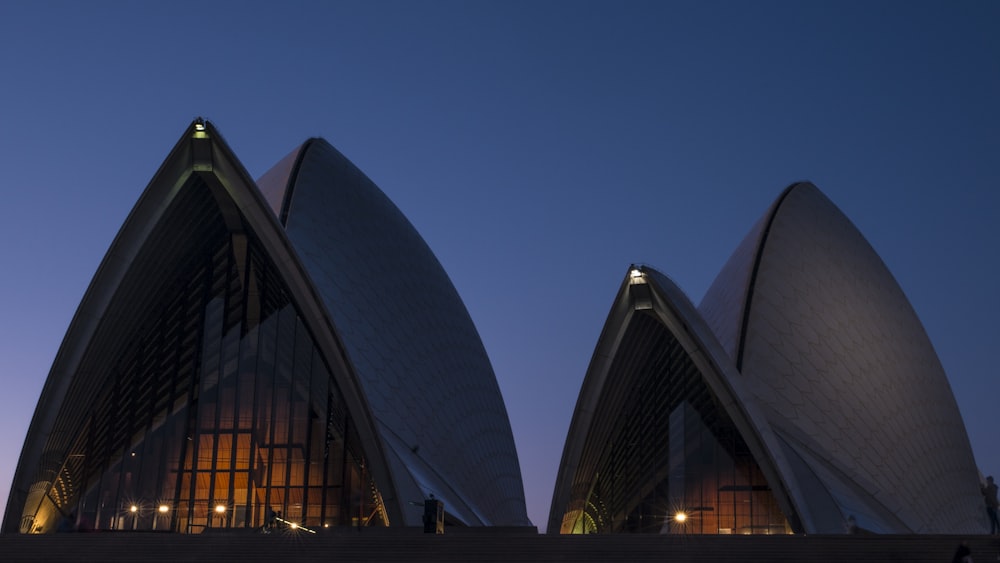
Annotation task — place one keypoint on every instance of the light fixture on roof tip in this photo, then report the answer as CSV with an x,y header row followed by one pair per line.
x,y
635,273
199,124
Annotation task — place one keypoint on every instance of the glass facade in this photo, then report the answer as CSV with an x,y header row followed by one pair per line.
x,y
662,455
215,408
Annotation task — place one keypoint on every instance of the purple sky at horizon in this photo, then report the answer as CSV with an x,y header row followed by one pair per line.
x,y
538,147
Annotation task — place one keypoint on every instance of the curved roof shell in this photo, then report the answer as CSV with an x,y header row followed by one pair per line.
x,y
408,335
113,303
412,448
604,393
840,363
824,368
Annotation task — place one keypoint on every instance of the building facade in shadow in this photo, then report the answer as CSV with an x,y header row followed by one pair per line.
x,y
803,395
284,347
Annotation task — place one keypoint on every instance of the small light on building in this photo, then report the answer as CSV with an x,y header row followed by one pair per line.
x,y
220,508
293,525
635,273
133,509
680,517
164,509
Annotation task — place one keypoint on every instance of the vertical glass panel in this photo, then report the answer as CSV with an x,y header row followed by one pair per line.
x,y
221,492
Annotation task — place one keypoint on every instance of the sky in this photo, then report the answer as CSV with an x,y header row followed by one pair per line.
x,y
540,148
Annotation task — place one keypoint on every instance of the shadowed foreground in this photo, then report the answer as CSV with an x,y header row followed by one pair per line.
x,y
521,545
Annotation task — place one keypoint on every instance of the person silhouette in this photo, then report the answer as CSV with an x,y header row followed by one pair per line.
x,y
271,515
963,554
989,491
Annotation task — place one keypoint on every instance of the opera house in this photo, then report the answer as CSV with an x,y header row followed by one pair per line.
x,y
801,396
291,346
286,346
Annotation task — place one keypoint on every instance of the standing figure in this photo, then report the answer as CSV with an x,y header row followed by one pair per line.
x,y
271,516
963,554
990,494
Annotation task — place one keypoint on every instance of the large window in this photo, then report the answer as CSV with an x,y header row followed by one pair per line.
x,y
217,409
662,456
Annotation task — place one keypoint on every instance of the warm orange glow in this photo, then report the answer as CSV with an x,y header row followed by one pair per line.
x,y
220,508
680,517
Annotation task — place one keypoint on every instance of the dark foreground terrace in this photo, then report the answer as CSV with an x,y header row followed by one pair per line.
x,y
517,545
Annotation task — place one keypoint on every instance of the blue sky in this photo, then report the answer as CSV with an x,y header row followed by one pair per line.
x,y
539,148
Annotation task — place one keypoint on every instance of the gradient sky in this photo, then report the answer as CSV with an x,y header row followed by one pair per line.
x,y
538,147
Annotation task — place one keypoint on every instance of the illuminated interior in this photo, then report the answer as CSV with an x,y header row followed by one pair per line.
x,y
662,455
214,407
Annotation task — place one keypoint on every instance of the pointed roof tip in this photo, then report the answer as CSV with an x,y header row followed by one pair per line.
x,y
638,269
798,184
204,126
